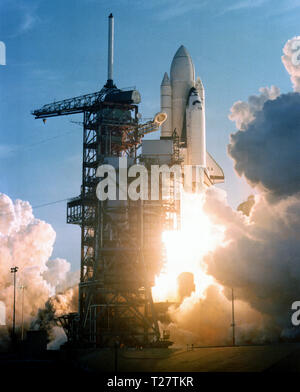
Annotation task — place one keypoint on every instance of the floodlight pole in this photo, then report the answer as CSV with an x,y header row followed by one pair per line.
x,y
22,330
14,270
233,320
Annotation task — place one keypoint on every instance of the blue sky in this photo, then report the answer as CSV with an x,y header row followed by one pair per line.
x,y
58,49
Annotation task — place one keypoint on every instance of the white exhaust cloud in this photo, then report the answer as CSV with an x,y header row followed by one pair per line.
x,y
243,113
261,255
291,61
27,242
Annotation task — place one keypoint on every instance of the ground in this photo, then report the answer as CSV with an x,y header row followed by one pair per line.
x,y
279,357
264,358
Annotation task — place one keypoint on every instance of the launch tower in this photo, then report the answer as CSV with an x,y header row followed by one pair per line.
x,y
121,249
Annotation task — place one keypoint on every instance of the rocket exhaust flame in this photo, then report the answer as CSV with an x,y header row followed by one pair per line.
x,y
186,248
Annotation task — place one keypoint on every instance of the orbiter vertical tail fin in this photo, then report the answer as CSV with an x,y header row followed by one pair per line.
x,y
215,171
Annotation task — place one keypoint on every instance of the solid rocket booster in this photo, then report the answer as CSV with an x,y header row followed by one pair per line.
x,y
195,130
183,99
166,105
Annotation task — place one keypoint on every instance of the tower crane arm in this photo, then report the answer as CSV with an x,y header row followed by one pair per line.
x,y
71,106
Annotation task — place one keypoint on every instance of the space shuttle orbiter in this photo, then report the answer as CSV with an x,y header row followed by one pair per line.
x,y
183,100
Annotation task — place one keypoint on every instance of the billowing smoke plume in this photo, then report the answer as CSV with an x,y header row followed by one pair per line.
x,y
243,113
56,272
261,255
207,321
247,205
48,315
27,242
259,258
266,150
291,61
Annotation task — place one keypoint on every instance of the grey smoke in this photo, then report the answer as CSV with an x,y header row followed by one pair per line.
x,y
54,307
266,151
260,257
242,113
247,205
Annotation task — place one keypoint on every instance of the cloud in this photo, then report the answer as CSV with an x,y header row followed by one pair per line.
x,y
179,8
27,242
287,5
291,61
22,13
29,20
266,149
245,4
169,9
207,321
242,113
57,271
260,255
5,150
